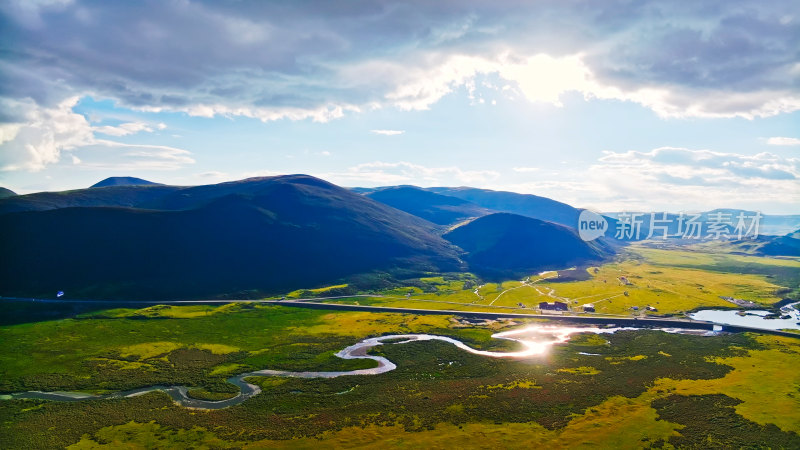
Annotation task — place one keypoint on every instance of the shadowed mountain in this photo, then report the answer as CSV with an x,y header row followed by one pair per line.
x,y
263,235
433,207
788,245
123,196
5,193
124,181
533,206
503,244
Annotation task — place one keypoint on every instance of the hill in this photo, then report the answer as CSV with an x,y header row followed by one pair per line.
x,y
5,193
256,236
437,208
503,244
121,196
788,245
528,205
123,181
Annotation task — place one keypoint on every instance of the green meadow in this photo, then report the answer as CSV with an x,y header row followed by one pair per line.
x,y
673,281
641,388
609,390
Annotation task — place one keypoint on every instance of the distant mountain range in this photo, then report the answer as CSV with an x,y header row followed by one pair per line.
x,y
436,208
475,202
255,236
127,238
772,225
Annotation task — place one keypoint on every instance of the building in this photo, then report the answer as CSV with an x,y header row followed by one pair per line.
x,y
555,306
588,308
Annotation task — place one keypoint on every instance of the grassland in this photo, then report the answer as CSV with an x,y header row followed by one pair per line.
x,y
194,345
673,281
438,396
624,390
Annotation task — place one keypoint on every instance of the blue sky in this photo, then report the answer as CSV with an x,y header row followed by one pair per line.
x,y
610,105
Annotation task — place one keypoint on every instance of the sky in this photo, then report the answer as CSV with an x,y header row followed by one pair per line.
x,y
615,105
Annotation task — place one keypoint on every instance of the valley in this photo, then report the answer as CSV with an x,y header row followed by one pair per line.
x,y
289,312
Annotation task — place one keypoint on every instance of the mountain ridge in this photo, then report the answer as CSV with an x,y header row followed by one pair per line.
x,y
123,181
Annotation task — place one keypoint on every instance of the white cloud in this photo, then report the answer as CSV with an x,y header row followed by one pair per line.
x,y
545,78
387,173
388,132
787,141
321,114
134,157
685,164
669,179
48,133
45,134
735,58
125,129
8,131
213,174
526,169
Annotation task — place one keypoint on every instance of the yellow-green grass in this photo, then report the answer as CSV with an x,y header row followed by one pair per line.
x,y
668,289
360,324
227,369
147,350
706,258
316,291
582,370
671,290
65,346
172,312
618,422
766,381
517,384
653,279
436,303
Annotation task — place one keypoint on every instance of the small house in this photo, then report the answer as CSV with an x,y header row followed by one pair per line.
x,y
555,306
588,308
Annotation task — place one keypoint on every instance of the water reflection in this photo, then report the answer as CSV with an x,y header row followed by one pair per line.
x,y
535,340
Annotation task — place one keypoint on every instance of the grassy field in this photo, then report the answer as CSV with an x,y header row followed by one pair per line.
x,y
628,389
596,390
196,345
673,281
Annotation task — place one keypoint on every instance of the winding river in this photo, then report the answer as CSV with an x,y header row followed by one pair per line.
x,y
535,340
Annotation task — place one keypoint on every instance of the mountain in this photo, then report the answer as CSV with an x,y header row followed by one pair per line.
x,y
251,237
772,225
433,207
788,245
5,193
123,181
541,208
122,196
504,244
